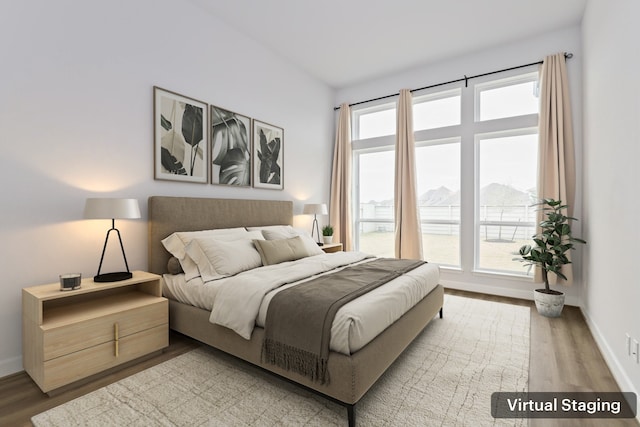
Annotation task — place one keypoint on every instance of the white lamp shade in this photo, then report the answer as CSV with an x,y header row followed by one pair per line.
x,y
106,208
315,209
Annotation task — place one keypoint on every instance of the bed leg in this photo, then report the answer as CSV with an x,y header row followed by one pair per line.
x,y
441,312
351,415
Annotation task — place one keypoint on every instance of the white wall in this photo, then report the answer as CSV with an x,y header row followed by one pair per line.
x,y
510,54
76,121
612,149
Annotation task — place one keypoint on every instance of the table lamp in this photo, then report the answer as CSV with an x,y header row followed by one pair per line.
x,y
110,208
315,209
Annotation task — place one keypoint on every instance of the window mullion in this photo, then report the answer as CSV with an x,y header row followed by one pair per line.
x,y
468,178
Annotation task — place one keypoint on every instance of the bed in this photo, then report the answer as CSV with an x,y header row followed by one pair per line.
x,y
351,375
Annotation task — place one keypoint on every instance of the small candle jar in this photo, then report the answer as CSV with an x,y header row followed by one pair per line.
x,y
70,281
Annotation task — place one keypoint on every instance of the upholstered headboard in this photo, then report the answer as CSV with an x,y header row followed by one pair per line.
x,y
170,214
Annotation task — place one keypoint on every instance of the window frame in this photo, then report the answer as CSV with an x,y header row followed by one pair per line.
x,y
478,222
437,142
355,197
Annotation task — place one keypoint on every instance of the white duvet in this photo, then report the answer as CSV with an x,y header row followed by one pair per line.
x,y
241,302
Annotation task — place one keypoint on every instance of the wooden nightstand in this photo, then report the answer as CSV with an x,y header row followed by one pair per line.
x,y
70,335
332,247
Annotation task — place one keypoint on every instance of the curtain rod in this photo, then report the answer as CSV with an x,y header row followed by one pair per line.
x,y
465,79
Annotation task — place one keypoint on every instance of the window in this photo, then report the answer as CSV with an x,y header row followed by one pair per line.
x,y
506,187
476,173
374,121
435,111
507,98
438,183
374,219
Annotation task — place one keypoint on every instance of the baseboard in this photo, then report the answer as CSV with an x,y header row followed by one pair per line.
x,y
612,361
525,294
10,366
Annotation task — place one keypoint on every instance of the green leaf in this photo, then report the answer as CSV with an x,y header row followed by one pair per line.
x,y
228,132
166,124
170,163
174,143
524,250
192,124
235,168
559,273
567,246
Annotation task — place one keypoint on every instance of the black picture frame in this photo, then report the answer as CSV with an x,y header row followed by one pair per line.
x,y
268,156
181,139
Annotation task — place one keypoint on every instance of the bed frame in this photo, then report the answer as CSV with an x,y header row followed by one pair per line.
x,y
350,376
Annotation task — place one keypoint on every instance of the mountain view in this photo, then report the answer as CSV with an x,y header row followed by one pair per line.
x,y
493,194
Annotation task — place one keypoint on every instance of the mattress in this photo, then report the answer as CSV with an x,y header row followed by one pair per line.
x,y
355,324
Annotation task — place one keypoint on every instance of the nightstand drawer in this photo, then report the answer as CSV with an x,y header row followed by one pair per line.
x,y
74,366
62,340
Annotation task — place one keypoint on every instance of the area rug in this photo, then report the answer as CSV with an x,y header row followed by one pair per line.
x,y
444,378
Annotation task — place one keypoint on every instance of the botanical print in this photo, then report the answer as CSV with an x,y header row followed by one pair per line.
x,y
268,156
230,148
180,137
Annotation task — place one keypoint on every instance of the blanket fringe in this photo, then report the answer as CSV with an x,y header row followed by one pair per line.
x,y
296,360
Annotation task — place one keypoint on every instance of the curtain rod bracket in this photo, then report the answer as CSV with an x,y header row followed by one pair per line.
x,y
466,81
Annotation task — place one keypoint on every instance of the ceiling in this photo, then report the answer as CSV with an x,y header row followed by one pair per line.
x,y
343,42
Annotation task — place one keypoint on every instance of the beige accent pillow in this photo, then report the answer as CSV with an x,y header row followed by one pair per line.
x,y
277,251
279,232
217,259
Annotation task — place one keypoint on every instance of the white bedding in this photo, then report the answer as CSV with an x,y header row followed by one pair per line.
x,y
241,302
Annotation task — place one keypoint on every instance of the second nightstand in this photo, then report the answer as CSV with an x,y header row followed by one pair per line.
x,y
331,247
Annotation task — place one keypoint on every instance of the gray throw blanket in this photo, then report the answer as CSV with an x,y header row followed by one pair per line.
x,y
299,319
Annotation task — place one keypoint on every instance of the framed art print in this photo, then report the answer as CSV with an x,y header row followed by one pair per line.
x,y
180,137
268,156
230,148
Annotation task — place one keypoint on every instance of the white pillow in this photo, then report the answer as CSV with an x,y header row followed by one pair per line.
x,y
176,243
279,232
217,259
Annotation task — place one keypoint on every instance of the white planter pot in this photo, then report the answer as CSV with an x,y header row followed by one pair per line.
x,y
549,305
327,240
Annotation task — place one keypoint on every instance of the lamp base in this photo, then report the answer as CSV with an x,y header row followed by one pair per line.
x,y
113,277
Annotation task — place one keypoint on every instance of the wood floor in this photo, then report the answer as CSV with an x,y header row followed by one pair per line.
x,y
564,357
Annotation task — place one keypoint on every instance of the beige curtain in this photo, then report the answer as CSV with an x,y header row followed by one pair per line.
x,y
556,157
340,207
408,234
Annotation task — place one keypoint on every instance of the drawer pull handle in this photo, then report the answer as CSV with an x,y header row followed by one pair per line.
x,y
116,339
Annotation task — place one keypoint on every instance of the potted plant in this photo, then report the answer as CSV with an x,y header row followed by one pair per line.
x,y
549,253
327,234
